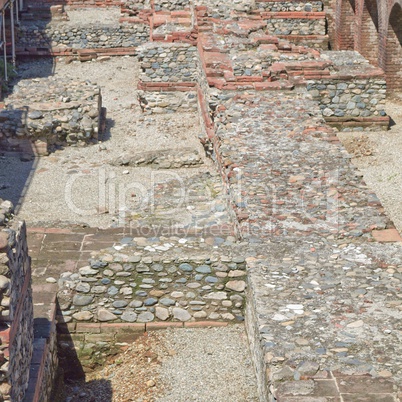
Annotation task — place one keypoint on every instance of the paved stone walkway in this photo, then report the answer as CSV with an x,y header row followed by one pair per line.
x,y
326,295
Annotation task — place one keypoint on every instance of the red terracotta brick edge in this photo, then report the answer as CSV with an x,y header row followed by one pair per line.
x,y
386,235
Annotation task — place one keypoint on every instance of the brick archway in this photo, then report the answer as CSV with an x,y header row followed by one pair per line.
x,y
393,57
345,24
368,40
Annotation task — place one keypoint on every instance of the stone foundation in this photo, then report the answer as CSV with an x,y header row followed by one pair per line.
x,y
145,289
294,26
167,102
16,312
292,6
51,110
171,5
352,95
167,63
353,98
42,35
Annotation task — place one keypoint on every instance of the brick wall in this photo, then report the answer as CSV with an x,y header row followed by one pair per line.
x,y
373,28
345,25
369,39
393,65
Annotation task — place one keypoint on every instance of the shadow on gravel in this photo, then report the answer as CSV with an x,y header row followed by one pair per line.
x,y
17,160
106,129
34,68
92,391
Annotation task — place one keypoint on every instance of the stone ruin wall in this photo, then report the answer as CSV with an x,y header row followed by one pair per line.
x,y
134,27
40,388
280,6
62,36
295,26
358,97
106,303
52,112
171,5
16,315
171,70
24,373
172,74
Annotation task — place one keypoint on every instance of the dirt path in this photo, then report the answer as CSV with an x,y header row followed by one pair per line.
x,y
378,156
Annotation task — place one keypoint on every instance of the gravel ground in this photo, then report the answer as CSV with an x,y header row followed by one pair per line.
x,y
378,157
180,365
92,16
86,188
209,365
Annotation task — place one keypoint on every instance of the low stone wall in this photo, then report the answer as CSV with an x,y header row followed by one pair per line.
x,y
295,26
135,4
55,110
16,311
275,6
319,42
355,98
259,60
256,342
169,76
223,10
350,92
168,63
148,288
167,102
171,5
77,3
162,159
43,35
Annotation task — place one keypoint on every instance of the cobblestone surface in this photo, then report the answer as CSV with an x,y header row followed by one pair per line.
x,y
309,186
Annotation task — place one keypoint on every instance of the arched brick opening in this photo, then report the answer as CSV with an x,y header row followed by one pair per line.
x,y
393,65
369,43
345,24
